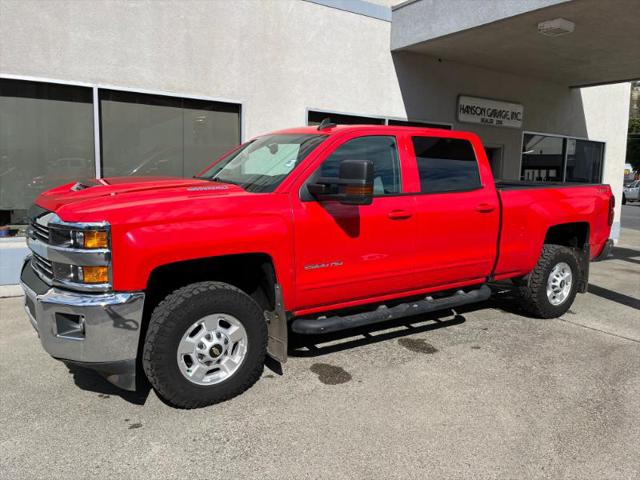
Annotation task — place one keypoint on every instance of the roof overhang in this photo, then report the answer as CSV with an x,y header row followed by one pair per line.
x,y
503,35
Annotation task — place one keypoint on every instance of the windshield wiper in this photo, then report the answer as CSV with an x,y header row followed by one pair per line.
x,y
219,180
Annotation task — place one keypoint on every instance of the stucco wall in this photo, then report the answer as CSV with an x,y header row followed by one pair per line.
x,y
280,57
606,111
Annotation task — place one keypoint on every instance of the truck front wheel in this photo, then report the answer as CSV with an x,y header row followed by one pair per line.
x,y
206,343
551,287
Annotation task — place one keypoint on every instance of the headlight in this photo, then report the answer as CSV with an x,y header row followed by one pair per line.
x,y
81,239
95,239
80,254
64,272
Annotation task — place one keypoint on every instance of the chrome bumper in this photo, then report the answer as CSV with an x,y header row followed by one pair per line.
x,y
99,331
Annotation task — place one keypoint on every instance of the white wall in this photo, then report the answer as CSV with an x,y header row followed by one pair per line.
x,y
607,116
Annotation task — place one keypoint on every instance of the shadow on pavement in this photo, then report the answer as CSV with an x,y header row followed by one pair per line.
x,y
625,254
620,298
92,381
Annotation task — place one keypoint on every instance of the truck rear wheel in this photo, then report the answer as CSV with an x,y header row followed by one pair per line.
x,y
206,343
551,287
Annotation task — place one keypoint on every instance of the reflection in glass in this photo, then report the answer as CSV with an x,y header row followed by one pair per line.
x,y
46,140
153,135
542,158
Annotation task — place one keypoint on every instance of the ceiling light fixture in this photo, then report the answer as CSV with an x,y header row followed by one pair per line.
x,y
556,27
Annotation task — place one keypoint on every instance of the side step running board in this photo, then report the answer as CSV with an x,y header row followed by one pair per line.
x,y
309,326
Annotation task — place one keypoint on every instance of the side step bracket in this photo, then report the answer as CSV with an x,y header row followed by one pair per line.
x,y
311,326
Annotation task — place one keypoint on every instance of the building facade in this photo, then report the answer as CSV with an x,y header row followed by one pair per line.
x,y
108,88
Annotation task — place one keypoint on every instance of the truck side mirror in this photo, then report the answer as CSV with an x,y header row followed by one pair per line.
x,y
354,185
356,178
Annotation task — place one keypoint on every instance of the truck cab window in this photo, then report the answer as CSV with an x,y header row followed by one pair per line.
x,y
446,165
381,150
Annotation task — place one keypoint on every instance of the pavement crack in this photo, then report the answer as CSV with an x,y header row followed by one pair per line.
x,y
601,331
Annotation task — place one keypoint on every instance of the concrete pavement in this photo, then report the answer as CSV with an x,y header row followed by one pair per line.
x,y
484,394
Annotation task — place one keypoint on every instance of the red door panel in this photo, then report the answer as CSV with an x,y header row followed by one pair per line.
x,y
348,252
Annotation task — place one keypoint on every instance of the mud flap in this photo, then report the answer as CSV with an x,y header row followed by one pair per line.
x,y
277,329
583,263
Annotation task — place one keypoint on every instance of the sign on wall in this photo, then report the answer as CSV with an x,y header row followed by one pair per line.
x,y
489,112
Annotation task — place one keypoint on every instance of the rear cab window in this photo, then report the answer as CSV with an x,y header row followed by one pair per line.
x,y
446,165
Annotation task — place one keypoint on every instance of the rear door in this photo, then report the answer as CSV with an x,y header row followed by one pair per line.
x,y
457,211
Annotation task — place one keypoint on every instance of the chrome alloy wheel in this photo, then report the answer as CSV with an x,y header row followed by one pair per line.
x,y
212,349
559,283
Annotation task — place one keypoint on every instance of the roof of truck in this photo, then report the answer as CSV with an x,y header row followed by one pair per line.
x,y
342,128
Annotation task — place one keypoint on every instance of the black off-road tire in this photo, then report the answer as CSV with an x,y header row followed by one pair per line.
x,y
533,292
169,322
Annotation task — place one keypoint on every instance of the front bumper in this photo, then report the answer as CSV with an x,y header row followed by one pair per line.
x,y
98,331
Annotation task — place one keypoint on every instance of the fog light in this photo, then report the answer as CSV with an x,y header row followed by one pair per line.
x,y
95,274
95,239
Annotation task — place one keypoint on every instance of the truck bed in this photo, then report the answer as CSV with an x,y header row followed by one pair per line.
x,y
530,209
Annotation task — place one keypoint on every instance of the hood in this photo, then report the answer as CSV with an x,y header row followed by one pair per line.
x,y
89,200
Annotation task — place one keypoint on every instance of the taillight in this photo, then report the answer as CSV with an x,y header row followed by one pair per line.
x,y
612,207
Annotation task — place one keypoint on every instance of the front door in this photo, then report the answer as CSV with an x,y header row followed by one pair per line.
x,y
347,252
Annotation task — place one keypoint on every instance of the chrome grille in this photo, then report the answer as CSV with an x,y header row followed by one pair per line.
x,y
40,232
42,267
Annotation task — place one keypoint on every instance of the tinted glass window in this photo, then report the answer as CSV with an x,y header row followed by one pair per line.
x,y
381,150
445,164
46,140
158,135
314,118
584,161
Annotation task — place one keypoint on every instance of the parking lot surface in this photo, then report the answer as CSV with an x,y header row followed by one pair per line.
x,y
486,393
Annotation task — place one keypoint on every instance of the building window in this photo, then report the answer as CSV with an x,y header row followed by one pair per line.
x,y
46,139
548,158
314,117
417,123
446,165
542,158
159,135
584,161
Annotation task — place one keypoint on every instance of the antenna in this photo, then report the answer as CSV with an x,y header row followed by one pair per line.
x,y
326,123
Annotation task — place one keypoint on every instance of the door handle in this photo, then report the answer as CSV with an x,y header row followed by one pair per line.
x,y
399,214
485,208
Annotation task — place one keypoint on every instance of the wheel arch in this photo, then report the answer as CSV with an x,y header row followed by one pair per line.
x,y
574,235
253,273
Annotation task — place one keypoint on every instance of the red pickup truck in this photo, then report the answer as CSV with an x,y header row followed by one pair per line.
x,y
196,280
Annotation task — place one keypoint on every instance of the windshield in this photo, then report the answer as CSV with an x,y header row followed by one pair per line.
x,y
262,164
